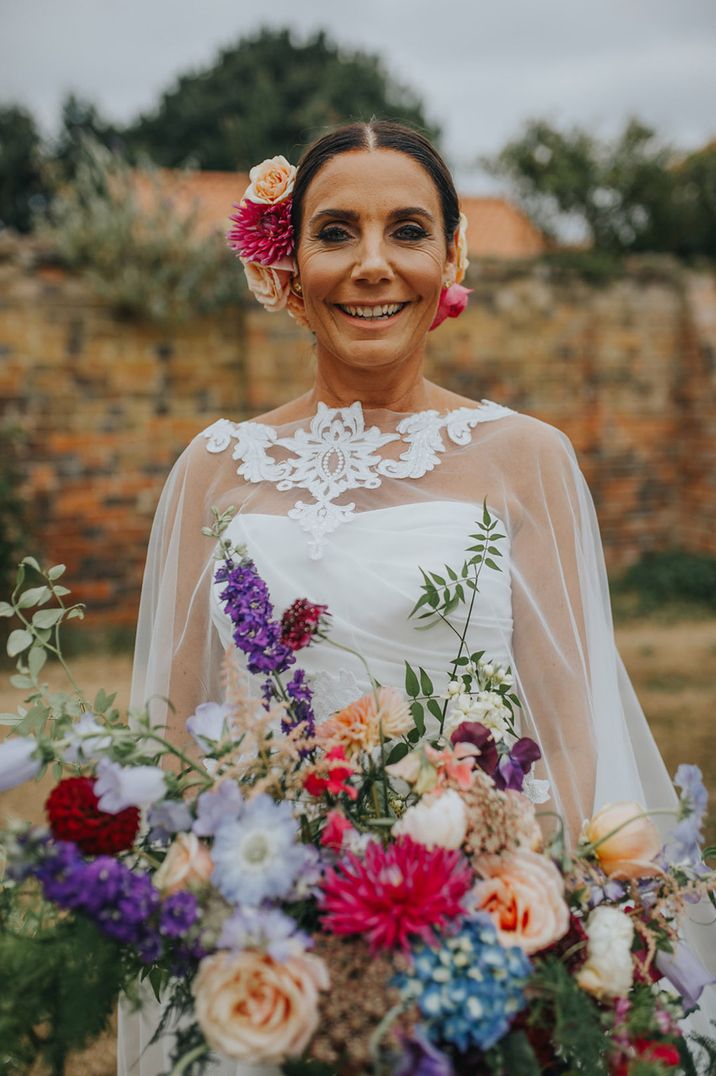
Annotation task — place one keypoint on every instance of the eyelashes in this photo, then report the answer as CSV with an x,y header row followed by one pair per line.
x,y
335,234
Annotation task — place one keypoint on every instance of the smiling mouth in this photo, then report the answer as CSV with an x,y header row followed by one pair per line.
x,y
369,315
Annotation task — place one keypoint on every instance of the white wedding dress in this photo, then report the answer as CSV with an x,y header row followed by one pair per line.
x,y
345,509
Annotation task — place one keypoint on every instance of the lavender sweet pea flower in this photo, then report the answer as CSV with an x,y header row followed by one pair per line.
x,y
18,762
118,787
685,971
684,845
209,724
222,804
167,818
87,740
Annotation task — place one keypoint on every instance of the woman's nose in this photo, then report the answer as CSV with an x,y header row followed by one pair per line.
x,y
372,262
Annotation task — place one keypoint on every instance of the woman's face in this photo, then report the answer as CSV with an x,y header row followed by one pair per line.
x,y
372,234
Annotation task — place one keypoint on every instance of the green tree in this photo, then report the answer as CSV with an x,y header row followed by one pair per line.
x,y
79,118
22,182
267,95
631,194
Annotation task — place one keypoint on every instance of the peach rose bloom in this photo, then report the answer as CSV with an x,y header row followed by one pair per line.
x,y
271,181
256,1010
628,853
524,893
269,285
356,727
187,863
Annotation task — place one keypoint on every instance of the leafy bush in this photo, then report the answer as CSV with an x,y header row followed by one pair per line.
x,y
145,261
671,576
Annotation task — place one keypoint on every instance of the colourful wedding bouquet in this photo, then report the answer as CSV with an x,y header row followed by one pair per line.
x,y
368,894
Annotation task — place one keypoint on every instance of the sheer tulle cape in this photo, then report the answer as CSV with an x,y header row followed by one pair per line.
x,y
577,701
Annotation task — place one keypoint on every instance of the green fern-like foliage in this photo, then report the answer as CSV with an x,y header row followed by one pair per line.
x,y
579,1037
58,990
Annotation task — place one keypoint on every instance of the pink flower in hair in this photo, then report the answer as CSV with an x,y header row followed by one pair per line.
x,y
262,233
453,301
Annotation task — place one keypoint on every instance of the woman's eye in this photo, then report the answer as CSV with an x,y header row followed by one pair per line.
x,y
333,234
416,232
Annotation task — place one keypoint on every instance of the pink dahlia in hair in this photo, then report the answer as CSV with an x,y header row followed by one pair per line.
x,y
262,233
395,895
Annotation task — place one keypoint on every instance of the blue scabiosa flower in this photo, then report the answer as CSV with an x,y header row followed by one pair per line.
x,y
469,988
257,857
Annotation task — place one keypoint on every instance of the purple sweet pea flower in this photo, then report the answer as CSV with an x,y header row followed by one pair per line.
x,y
421,1058
18,761
224,803
167,818
685,971
208,724
118,787
481,737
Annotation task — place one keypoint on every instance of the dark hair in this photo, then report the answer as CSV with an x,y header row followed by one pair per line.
x,y
376,134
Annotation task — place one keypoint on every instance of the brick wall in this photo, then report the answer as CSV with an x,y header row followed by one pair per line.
x,y
627,370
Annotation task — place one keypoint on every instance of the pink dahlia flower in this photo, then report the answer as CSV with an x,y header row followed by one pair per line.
x,y
262,233
395,895
453,301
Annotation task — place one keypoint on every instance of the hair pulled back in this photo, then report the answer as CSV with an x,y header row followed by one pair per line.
x,y
376,134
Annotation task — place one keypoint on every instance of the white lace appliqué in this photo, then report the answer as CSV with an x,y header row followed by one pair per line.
x,y
338,453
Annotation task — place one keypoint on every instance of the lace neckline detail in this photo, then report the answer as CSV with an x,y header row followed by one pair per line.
x,y
338,452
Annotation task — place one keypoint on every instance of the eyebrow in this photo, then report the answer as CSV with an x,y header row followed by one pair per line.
x,y
351,215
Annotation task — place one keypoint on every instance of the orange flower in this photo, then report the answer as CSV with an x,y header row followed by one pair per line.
x,y
357,726
629,852
271,181
524,893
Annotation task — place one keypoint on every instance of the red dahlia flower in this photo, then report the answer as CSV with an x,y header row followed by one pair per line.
x,y
396,894
262,233
300,623
74,816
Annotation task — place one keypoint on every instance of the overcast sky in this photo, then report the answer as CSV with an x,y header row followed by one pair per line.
x,y
481,69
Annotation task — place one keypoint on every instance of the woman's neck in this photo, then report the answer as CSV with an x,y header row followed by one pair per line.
x,y
374,389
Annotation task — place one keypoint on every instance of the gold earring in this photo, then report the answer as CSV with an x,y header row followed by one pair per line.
x,y
297,287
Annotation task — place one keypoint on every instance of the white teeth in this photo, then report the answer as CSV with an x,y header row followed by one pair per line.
x,y
372,311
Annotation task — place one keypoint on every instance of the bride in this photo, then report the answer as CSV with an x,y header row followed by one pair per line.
x,y
345,493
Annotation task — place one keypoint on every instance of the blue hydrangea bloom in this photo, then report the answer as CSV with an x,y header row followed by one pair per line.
x,y
258,857
469,988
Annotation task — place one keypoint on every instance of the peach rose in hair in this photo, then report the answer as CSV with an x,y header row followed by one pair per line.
x,y
256,1010
461,262
629,852
524,893
271,181
268,284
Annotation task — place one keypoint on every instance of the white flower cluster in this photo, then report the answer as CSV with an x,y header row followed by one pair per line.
x,y
484,705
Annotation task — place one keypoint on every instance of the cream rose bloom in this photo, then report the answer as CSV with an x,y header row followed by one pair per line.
x,y
437,820
256,1010
630,852
271,181
187,863
609,969
524,893
268,284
